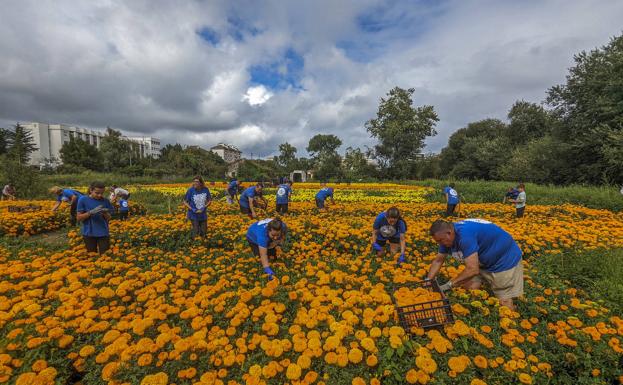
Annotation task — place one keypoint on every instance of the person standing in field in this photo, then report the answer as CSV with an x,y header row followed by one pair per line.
x,y
94,213
389,226
520,201
247,199
322,195
489,253
67,195
124,208
197,200
284,191
452,199
264,237
8,192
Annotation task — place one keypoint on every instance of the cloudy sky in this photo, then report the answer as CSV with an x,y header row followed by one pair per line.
x,y
258,73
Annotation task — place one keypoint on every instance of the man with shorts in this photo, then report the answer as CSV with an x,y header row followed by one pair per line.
x,y
520,201
283,197
322,195
247,200
264,237
489,253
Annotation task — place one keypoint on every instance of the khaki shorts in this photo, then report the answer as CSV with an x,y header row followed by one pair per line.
x,y
504,284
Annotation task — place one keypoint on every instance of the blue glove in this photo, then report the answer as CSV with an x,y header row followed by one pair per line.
x,y
401,259
377,247
270,272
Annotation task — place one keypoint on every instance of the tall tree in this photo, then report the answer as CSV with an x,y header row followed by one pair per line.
x,y
356,165
591,113
401,130
4,137
327,162
115,150
528,121
80,153
20,144
287,156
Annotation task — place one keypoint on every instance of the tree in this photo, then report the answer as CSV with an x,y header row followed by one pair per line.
x,y
287,156
77,152
356,165
20,144
476,151
528,121
401,130
25,179
115,150
4,137
327,162
591,114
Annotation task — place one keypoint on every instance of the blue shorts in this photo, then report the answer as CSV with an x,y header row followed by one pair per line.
x,y
320,203
393,240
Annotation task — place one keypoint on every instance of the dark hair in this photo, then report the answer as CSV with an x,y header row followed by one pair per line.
x,y
290,182
114,186
521,185
96,184
277,225
393,212
438,226
200,179
259,184
451,185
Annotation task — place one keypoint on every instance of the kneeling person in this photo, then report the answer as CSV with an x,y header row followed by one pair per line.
x,y
389,226
488,252
264,236
94,213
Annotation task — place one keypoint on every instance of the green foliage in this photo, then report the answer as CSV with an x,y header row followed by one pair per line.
x,y
20,144
257,170
287,156
591,114
356,165
323,144
189,161
528,121
25,178
115,150
77,152
401,130
327,162
4,138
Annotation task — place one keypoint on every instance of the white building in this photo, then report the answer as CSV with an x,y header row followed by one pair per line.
x,y
148,146
228,152
49,138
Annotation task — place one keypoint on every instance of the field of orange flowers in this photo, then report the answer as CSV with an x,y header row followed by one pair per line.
x,y
162,308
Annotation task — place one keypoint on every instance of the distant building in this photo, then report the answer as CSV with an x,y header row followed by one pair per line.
x,y
50,138
228,152
148,146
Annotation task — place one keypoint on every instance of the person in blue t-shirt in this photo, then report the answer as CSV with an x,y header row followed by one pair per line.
x,y
247,199
512,193
232,190
197,200
264,237
489,253
66,195
322,195
94,213
284,191
452,199
389,226
124,208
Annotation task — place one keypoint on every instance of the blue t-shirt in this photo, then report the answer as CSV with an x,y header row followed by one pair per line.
x,y
512,194
124,207
95,225
283,193
497,250
324,193
66,195
233,186
257,233
198,200
249,192
453,196
381,222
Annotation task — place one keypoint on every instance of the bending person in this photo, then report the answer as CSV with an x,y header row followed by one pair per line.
x,y
264,237
67,195
389,226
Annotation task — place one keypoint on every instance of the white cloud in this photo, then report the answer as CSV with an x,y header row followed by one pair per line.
x,y
142,67
258,95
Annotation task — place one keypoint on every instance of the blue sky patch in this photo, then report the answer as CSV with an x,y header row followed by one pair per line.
x,y
280,74
209,35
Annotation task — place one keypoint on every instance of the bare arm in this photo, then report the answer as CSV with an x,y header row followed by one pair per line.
x,y
264,256
82,216
436,265
252,208
447,197
403,243
472,268
56,206
373,236
188,205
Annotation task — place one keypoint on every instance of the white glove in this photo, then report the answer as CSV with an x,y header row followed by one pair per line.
x,y
97,210
446,286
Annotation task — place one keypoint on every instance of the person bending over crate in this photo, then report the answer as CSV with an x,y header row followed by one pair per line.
x,y
489,253
264,237
389,226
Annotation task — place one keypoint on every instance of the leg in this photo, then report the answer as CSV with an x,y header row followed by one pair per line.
x,y
520,212
203,228
195,228
90,243
394,248
73,212
508,302
103,244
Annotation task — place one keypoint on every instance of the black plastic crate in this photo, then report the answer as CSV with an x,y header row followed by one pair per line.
x,y
430,314
23,209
